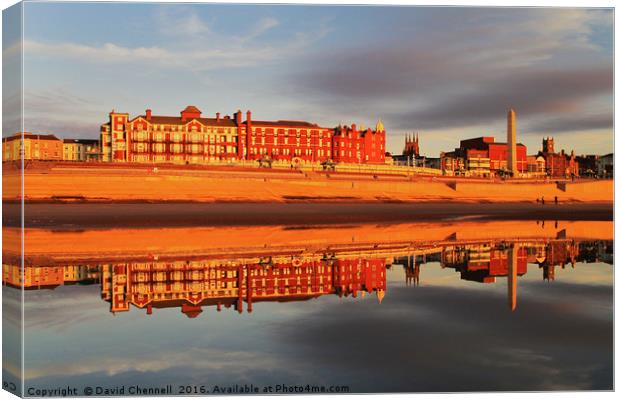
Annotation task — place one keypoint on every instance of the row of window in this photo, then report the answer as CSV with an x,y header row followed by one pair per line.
x,y
178,137
182,129
285,141
180,148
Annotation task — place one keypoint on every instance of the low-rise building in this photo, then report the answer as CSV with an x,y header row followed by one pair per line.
x,y
558,164
482,156
80,150
605,166
45,147
536,164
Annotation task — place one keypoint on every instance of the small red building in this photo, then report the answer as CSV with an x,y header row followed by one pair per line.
x,y
355,146
482,156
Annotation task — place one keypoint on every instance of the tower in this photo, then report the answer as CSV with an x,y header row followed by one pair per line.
x,y
547,146
513,254
512,142
412,146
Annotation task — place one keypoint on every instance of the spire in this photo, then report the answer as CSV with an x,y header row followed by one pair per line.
x,y
379,127
380,295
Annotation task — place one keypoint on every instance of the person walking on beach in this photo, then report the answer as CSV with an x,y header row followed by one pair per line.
x,y
556,199
543,200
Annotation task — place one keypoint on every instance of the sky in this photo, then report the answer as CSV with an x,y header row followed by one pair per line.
x,y
447,73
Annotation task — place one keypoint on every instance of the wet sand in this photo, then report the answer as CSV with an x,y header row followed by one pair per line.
x,y
73,216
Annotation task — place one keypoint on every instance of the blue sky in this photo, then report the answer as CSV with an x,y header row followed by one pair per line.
x,y
449,73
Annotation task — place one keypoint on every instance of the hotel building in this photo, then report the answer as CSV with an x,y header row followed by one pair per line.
x,y
191,138
33,146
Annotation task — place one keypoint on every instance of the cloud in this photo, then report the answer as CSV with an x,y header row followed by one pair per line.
x,y
574,122
57,110
464,67
262,26
180,21
548,92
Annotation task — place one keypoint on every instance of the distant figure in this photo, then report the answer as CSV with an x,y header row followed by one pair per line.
x,y
542,200
556,199
537,200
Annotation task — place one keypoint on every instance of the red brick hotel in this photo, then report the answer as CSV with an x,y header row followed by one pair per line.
x,y
192,138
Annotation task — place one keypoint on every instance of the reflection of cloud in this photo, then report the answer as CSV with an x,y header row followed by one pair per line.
x,y
62,308
203,359
447,339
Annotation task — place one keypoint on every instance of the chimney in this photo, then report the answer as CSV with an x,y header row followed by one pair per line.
x,y
238,117
249,116
217,116
354,127
227,117
148,114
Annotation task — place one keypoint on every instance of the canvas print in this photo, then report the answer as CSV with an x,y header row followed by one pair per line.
x,y
203,199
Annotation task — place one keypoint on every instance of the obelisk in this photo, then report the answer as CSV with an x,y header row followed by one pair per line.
x,y
513,259
512,142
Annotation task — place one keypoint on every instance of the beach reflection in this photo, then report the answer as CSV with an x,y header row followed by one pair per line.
x,y
239,282
286,305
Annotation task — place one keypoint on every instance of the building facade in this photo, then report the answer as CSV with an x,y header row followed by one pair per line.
x,y
482,156
81,150
33,146
412,146
605,166
558,164
193,139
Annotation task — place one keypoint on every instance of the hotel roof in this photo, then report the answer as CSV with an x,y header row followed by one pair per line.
x,y
284,123
177,120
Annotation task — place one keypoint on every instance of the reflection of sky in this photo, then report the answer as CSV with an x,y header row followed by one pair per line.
x,y
446,334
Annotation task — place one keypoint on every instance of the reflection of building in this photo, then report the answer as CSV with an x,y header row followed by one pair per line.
x,y
48,277
193,285
483,262
35,146
191,138
557,254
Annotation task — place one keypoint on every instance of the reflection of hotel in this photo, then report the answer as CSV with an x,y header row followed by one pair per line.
x,y
194,284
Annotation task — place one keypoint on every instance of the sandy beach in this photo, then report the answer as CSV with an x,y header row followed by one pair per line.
x,y
92,215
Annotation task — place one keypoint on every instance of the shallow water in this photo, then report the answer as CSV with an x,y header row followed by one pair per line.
x,y
455,315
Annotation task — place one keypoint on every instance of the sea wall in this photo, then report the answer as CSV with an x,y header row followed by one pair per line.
x,y
152,184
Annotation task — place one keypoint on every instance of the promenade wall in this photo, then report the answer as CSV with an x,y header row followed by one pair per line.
x,y
125,183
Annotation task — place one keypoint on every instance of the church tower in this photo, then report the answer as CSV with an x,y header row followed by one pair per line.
x,y
412,146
